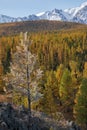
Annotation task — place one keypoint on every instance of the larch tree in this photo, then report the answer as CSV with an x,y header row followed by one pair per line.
x,y
24,73
66,88
6,62
1,68
80,108
85,70
50,93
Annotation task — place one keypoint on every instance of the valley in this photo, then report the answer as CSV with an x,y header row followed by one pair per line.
x,y
48,59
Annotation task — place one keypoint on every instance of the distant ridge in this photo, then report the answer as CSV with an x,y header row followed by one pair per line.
x,y
38,26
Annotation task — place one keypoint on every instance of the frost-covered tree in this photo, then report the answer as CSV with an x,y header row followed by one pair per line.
x,y
24,72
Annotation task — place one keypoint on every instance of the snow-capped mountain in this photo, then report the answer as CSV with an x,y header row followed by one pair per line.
x,y
5,19
78,14
54,15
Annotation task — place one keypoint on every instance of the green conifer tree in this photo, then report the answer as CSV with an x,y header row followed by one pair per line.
x,y
66,89
80,109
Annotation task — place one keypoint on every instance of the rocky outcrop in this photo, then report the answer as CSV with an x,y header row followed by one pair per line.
x,y
16,118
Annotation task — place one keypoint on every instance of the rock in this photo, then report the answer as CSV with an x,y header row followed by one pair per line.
x,y
12,118
71,129
3,125
74,126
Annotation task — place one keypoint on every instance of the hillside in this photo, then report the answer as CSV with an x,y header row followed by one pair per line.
x,y
35,26
61,50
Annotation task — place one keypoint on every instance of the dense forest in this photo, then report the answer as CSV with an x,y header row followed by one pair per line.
x,y
62,56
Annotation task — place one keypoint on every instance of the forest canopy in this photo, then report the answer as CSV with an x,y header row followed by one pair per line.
x,y
62,55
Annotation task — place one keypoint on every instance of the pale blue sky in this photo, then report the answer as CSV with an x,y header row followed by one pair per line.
x,y
22,8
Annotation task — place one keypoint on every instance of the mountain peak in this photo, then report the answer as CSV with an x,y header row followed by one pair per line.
x,y
55,10
84,4
77,14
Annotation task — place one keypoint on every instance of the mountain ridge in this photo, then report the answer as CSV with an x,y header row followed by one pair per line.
x,y
77,14
38,26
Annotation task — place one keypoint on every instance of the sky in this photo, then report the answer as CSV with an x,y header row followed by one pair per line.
x,y
21,8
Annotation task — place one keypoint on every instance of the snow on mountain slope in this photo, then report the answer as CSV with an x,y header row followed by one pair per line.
x,y
54,15
78,14
32,17
6,19
39,14
73,11
81,15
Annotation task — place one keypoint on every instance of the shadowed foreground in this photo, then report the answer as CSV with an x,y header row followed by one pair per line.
x,y
16,118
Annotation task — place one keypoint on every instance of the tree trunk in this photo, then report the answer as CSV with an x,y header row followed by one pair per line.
x,y
28,89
